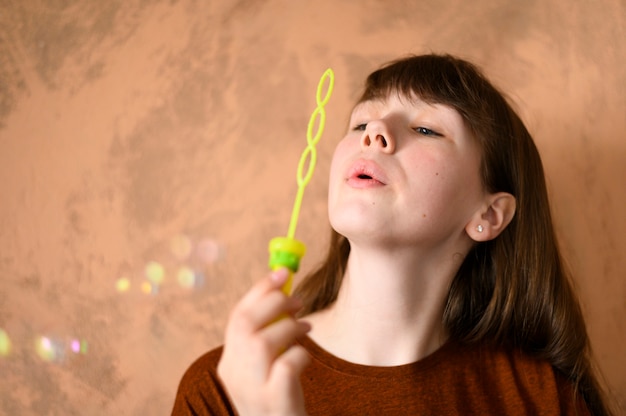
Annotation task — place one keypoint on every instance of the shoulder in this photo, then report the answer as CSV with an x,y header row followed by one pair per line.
x,y
457,379
520,377
203,365
200,391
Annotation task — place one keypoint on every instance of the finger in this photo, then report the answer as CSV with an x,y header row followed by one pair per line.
x,y
264,304
291,363
274,306
276,338
274,280
268,309
286,373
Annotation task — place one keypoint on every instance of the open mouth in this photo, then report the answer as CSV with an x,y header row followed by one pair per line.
x,y
366,173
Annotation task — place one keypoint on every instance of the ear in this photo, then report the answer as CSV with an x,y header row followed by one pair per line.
x,y
492,218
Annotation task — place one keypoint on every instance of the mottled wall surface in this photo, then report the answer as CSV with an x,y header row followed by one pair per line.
x,y
148,153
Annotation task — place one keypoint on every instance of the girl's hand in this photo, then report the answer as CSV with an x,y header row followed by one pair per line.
x,y
260,367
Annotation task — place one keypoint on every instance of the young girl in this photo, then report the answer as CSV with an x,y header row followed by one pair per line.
x,y
443,291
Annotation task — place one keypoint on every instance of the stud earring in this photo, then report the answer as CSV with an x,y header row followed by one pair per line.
x,y
479,228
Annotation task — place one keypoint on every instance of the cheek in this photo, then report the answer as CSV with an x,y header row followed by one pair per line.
x,y
338,161
447,183
335,173
460,187
430,169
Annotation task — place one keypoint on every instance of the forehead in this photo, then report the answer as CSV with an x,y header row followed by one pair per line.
x,y
413,104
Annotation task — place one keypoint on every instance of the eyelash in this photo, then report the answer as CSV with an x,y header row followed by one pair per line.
x,y
421,130
427,132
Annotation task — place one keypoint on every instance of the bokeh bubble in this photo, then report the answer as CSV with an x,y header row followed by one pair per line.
x,y
149,288
208,251
186,277
198,279
5,343
122,284
75,346
155,273
181,247
48,349
78,346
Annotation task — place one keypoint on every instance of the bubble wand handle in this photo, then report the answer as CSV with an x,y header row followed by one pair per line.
x,y
287,251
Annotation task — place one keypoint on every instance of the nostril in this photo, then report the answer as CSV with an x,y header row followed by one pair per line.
x,y
377,140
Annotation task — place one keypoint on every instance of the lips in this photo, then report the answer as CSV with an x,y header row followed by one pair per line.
x,y
366,173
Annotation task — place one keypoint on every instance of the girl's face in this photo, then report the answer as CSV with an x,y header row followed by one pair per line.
x,y
406,173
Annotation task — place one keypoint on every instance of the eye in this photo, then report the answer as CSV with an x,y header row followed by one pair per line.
x,y
427,132
360,127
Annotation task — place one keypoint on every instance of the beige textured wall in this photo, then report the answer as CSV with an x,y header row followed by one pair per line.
x,y
150,139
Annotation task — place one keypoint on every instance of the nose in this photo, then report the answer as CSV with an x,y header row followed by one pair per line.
x,y
377,136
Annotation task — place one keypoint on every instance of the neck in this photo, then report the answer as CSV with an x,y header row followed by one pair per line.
x,y
390,304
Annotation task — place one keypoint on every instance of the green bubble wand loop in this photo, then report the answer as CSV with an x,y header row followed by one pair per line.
x,y
287,251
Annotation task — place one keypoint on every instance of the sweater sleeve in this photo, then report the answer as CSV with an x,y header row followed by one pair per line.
x,y
200,392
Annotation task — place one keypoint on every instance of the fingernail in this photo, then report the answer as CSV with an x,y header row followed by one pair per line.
x,y
280,275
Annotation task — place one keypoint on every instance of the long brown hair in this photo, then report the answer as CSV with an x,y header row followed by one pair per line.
x,y
515,289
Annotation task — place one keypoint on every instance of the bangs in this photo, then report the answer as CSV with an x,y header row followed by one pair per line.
x,y
436,79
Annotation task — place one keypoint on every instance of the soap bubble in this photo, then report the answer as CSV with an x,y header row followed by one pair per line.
x,y
5,343
122,284
48,349
186,277
155,273
181,247
149,288
78,346
189,278
198,279
208,251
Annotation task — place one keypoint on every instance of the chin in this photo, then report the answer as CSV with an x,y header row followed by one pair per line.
x,y
356,227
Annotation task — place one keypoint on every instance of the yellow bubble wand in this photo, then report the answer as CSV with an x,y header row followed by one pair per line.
x,y
287,251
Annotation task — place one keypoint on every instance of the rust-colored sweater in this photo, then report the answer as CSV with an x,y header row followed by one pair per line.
x,y
454,380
